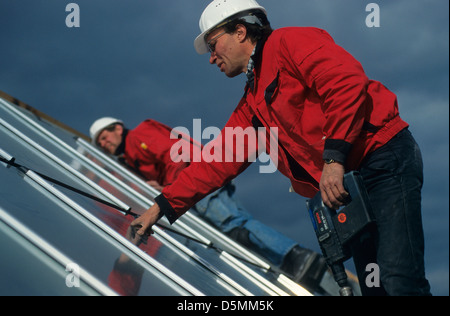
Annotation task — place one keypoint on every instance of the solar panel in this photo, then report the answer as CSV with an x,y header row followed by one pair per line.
x,y
79,203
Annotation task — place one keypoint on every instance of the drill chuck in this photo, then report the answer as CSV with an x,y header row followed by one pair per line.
x,y
346,291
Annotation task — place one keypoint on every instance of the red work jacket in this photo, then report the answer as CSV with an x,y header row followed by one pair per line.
x,y
148,149
323,105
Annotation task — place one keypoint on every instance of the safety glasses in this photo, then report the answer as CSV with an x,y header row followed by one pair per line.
x,y
212,45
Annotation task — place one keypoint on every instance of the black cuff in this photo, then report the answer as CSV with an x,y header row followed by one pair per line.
x,y
337,150
166,208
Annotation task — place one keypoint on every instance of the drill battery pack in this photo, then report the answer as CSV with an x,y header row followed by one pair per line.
x,y
336,229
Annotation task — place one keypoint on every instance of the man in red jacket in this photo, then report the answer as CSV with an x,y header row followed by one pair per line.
x,y
330,119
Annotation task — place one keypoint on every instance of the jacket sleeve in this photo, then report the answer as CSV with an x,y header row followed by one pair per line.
x,y
221,161
340,82
149,150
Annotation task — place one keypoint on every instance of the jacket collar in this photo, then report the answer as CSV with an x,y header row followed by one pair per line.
x,y
254,62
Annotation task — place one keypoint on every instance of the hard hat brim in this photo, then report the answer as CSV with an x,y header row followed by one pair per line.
x,y
200,43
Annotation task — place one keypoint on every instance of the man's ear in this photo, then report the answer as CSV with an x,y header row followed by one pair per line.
x,y
119,129
241,32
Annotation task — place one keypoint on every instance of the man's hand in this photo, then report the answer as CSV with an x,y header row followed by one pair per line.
x,y
135,239
332,185
143,224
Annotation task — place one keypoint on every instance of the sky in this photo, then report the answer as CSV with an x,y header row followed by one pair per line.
x,y
135,60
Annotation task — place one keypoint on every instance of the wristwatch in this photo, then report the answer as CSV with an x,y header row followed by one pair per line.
x,y
329,161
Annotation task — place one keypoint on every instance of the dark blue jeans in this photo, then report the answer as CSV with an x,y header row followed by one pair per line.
x,y
393,176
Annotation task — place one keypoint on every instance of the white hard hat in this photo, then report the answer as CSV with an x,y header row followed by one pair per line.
x,y
218,12
100,124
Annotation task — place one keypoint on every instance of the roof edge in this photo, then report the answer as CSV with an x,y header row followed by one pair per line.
x,y
42,115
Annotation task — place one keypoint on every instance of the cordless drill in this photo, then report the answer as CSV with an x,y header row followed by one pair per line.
x,y
336,230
